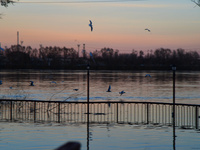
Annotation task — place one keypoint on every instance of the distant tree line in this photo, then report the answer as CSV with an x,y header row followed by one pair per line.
x,y
21,57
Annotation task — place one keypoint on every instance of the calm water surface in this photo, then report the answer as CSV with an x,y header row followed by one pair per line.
x,y
59,85
20,136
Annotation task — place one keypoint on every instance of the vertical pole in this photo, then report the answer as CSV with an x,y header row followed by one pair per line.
x,y
147,113
88,103
196,117
117,112
34,111
88,89
84,52
173,113
58,112
78,49
17,40
10,110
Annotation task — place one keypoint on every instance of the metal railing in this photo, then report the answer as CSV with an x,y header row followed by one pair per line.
x,y
187,115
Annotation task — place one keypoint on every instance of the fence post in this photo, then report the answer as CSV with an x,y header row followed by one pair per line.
x,y
34,111
59,112
117,112
147,113
197,117
10,110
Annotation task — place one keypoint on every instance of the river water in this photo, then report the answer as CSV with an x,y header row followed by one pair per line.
x,y
60,85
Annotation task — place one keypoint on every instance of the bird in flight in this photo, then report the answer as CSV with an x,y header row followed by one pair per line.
x,y
31,84
147,30
122,92
53,82
147,75
1,48
196,2
91,26
109,89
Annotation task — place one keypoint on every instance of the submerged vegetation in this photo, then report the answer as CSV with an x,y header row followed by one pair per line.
x,y
21,57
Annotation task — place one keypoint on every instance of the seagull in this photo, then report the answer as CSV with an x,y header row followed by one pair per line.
x,y
1,82
109,89
197,3
53,82
31,84
147,75
122,92
75,89
1,48
91,26
147,30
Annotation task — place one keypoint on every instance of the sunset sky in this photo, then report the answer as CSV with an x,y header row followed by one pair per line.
x,y
119,24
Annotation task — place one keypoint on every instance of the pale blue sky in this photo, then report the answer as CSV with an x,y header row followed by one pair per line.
x,y
119,25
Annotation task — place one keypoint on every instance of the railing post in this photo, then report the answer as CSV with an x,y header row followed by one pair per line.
x,y
58,112
34,111
117,112
197,117
11,110
147,113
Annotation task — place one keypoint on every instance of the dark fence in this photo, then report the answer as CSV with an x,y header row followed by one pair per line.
x,y
187,116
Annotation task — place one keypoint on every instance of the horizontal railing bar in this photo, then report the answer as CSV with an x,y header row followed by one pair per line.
x,y
80,102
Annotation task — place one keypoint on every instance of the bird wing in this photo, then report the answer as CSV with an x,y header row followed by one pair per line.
x,y
109,88
1,49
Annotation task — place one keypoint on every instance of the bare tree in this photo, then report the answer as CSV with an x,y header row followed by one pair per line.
x,y
5,3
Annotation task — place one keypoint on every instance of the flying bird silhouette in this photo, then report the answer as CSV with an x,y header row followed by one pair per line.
x,y
53,82
109,89
1,48
147,30
147,75
31,84
196,2
91,26
122,92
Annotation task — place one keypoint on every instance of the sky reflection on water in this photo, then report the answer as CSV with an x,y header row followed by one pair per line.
x,y
157,88
20,136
